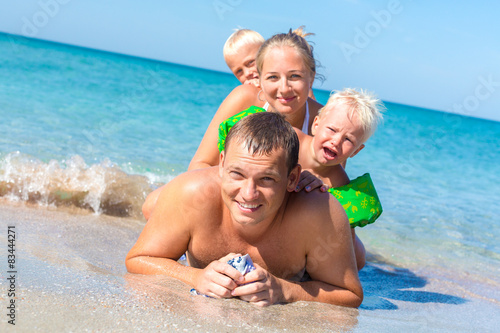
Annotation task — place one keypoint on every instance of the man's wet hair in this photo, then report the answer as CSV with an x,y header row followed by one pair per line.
x,y
265,132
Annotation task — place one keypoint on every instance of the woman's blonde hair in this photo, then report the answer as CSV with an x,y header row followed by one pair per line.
x,y
294,39
239,38
364,104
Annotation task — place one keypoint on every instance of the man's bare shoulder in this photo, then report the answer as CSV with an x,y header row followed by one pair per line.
x,y
317,210
195,188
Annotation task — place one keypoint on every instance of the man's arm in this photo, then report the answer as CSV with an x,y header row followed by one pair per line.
x,y
166,237
359,250
330,263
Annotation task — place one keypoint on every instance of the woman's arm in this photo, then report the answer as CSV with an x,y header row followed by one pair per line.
x,y
241,98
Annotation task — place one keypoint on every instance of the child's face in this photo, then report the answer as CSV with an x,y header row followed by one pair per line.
x,y
242,64
336,136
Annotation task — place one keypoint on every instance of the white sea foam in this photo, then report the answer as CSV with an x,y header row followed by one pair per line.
x,y
102,188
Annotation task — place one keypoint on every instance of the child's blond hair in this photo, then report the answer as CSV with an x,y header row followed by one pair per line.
x,y
239,38
364,104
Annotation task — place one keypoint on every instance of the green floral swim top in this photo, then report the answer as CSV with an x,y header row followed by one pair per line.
x,y
359,198
227,124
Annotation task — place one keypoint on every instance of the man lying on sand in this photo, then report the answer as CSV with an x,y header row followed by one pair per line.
x,y
247,205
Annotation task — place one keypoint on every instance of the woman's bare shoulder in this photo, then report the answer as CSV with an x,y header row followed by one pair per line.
x,y
246,92
314,107
241,98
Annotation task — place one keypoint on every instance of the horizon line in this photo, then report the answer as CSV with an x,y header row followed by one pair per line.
x,y
16,36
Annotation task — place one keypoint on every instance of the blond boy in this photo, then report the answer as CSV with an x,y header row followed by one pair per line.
x,y
240,51
340,131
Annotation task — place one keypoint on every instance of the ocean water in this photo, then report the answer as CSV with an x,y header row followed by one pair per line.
x,y
98,131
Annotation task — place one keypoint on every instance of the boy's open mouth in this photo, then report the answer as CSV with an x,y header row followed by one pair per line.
x,y
330,154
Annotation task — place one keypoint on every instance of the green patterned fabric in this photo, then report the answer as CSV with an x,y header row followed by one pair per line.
x,y
359,198
227,124
360,201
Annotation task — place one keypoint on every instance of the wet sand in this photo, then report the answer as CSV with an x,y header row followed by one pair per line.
x,y
71,277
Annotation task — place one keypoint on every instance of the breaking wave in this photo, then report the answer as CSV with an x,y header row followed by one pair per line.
x,y
101,188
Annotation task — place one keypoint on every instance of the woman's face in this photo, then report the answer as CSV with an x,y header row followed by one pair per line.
x,y
285,80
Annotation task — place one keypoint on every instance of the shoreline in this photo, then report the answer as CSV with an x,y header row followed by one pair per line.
x,y
71,276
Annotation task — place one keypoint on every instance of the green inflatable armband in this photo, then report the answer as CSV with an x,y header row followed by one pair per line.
x,y
227,124
360,201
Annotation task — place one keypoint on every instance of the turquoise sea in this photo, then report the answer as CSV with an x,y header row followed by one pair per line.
x,y
98,131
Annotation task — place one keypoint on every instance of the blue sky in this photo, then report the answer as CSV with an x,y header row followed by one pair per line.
x,y
440,55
